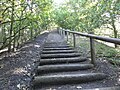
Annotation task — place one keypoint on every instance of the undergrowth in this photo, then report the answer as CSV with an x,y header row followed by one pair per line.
x,y
102,50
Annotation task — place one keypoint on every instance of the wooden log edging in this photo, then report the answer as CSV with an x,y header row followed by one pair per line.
x,y
68,78
62,60
63,67
58,51
59,55
68,48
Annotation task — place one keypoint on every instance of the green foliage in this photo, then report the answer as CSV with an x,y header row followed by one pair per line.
x,y
104,50
114,61
23,20
86,15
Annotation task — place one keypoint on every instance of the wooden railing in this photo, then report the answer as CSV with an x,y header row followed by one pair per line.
x,y
91,37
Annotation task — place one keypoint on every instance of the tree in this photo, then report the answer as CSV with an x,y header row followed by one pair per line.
x,y
87,15
23,20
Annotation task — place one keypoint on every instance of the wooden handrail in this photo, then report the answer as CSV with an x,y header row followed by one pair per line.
x,y
92,37
106,39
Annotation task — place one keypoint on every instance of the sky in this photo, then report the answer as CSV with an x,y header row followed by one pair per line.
x,y
58,2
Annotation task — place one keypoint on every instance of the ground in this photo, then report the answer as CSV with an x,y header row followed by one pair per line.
x,y
17,69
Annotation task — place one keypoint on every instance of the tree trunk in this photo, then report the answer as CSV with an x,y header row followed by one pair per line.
x,y
31,36
114,29
115,34
11,26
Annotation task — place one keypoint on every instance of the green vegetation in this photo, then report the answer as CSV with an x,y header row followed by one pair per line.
x,y
102,50
22,20
89,15
99,16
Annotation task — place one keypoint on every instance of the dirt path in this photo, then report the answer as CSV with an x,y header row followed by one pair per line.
x,y
103,66
15,70
54,37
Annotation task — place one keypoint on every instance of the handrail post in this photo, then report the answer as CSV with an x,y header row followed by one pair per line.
x,y
74,41
92,49
67,35
63,34
58,30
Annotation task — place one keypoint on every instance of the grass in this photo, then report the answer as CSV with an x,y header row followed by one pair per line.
x,y
106,51
102,50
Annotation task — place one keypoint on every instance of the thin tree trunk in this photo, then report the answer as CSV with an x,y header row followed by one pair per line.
x,y
31,36
11,26
14,41
3,33
114,29
115,34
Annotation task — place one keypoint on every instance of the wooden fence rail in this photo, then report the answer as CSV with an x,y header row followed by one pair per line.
x,y
91,37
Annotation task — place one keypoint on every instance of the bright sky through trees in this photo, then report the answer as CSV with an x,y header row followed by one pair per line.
x,y
58,2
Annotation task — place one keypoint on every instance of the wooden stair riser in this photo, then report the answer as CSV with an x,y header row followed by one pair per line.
x,y
62,60
62,68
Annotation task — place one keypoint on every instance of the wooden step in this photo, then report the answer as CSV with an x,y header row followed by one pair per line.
x,y
67,78
56,46
63,67
68,48
61,55
62,60
105,88
58,51
48,43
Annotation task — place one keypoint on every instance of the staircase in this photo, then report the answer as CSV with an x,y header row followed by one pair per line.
x,y
61,64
